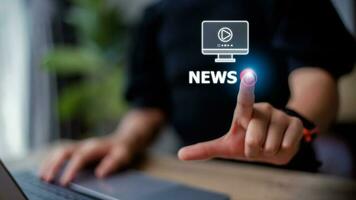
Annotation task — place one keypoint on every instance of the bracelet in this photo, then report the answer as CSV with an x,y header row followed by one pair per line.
x,y
310,135
310,130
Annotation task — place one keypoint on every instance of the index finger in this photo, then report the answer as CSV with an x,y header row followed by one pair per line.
x,y
74,165
80,158
246,96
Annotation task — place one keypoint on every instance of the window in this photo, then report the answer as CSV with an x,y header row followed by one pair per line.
x,y
14,78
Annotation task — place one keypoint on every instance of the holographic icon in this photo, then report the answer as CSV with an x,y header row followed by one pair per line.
x,y
225,39
225,34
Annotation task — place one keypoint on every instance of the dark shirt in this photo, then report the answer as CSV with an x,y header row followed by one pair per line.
x,y
284,35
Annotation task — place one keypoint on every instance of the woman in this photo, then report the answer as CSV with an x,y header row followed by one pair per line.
x,y
299,48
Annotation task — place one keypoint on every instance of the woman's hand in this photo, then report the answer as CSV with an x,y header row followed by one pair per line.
x,y
259,132
111,153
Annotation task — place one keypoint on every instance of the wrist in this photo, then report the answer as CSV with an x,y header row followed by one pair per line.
x,y
310,131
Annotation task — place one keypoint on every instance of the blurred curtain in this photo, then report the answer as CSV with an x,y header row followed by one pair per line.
x,y
43,126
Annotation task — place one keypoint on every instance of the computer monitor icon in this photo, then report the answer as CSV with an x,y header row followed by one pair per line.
x,y
225,39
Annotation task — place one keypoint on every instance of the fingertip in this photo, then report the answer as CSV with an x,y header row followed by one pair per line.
x,y
202,151
106,167
40,174
270,152
67,176
191,153
252,154
100,172
49,178
49,173
64,181
43,172
188,153
182,154
248,77
46,176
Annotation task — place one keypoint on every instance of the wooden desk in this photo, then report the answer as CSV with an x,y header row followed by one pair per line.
x,y
240,181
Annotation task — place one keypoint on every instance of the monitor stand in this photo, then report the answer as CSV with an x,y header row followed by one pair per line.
x,y
225,58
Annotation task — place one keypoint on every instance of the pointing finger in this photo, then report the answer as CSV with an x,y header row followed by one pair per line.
x,y
54,165
246,96
117,158
91,151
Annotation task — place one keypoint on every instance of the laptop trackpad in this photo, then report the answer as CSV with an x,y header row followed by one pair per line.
x,y
134,185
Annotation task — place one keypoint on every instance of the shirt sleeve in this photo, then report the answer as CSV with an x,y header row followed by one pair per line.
x,y
310,33
146,84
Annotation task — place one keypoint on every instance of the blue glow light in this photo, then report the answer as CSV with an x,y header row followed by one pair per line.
x,y
261,65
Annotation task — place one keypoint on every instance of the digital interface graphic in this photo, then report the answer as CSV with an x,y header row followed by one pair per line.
x,y
225,39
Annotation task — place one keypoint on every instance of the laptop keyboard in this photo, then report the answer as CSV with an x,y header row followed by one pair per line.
x,y
35,189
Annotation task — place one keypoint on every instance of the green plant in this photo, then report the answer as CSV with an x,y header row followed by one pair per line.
x,y
96,58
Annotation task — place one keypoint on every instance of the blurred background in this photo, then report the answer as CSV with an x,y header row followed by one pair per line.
x,y
62,77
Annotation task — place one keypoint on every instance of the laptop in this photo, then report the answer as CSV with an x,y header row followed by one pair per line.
x,y
128,185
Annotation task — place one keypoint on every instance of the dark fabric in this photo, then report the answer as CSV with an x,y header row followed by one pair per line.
x,y
284,35
305,159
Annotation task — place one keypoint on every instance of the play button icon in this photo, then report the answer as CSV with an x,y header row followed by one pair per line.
x,y
225,34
